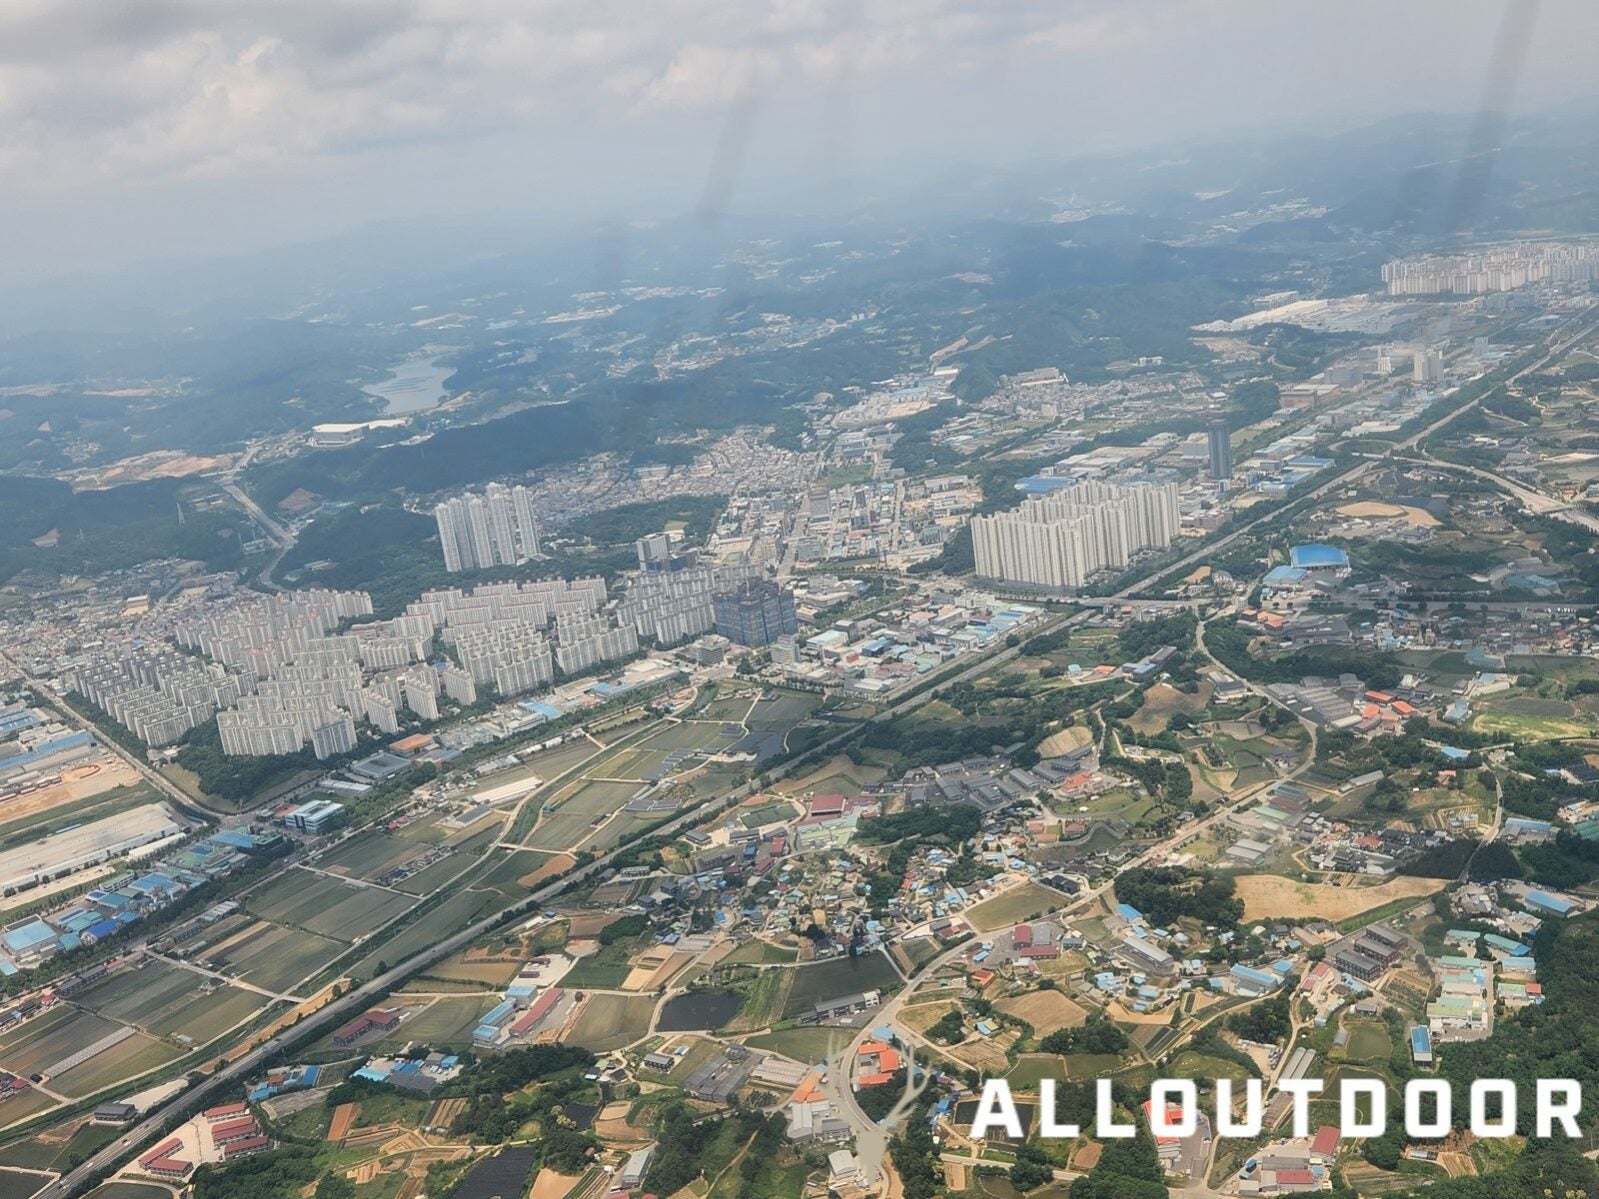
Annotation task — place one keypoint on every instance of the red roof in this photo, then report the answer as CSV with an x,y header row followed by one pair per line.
x,y
249,1146
1325,1141
1295,1178
226,1110
1040,951
1021,935
826,805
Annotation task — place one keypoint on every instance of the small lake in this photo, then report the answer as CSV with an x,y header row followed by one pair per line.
x,y
415,385
707,1010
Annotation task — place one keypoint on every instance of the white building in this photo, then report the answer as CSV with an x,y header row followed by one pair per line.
x,y
1061,539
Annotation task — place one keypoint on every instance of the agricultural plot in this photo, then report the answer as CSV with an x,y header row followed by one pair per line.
x,y
163,1001
1018,904
369,855
608,1022
692,734
514,874
579,808
430,878
1368,1042
40,1044
808,1045
274,957
1044,1011
1272,897
446,1021
22,1184
126,1059
838,977
454,914
325,905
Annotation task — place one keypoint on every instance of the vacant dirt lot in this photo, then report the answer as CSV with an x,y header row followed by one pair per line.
x,y
1272,897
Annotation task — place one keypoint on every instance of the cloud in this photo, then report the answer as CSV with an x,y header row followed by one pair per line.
x,y
162,89
105,92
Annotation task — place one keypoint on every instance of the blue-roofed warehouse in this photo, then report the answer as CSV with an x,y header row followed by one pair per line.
x,y
1318,557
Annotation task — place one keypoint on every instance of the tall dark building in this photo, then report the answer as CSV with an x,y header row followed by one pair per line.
x,y
755,614
1221,451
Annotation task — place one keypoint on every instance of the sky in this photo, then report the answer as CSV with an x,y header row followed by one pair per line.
x,y
142,129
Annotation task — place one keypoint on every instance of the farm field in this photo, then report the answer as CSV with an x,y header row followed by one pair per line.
x,y
274,957
1013,906
608,1022
454,914
838,977
165,1001
22,1184
123,1060
128,1190
324,905
1272,897
368,855
446,1021
1045,1011
809,1045
50,1038
514,875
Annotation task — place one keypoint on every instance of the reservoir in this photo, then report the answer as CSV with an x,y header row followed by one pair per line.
x,y
414,385
699,1010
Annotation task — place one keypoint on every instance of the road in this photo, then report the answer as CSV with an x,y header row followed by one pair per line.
x,y
276,531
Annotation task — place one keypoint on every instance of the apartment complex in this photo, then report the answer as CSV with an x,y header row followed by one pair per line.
x,y
1498,268
496,528
675,606
1061,539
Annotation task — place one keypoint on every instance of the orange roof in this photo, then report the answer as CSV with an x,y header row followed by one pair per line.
x,y
1173,1115
808,1090
982,977
1403,708
874,1080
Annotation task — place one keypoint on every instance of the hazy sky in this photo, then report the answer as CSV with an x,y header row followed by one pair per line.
x,y
138,128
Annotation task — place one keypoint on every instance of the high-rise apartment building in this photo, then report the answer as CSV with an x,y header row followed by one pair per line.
x,y
1060,540
496,528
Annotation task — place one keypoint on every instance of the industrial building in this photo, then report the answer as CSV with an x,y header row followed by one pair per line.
x,y
86,845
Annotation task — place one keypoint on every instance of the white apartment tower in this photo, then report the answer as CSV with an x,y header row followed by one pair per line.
x,y
498,528
1060,540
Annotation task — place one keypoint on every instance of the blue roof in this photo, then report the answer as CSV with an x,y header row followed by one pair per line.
x,y
1421,1039
1553,903
1128,912
32,934
1317,555
1278,575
